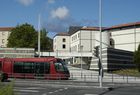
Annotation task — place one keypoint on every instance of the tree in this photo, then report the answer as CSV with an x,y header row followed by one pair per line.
x,y
23,36
137,58
45,41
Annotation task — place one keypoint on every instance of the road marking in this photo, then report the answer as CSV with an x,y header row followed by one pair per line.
x,y
56,91
60,89
50,92
91,94
33,88
34,91
44,94
66,88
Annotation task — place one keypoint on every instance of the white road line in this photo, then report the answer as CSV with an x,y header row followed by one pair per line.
x,y
91,94
33,88
66,88
50,92
60,89
44,94
34,91
56,91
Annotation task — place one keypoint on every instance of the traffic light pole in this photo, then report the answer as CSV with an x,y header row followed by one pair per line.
x,y
100,57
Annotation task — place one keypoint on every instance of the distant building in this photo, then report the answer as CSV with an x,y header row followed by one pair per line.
x,y
4,34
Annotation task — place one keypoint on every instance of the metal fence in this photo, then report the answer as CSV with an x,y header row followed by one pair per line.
x,y
78,74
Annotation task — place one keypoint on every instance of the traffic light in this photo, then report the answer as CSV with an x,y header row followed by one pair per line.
x,y
96,51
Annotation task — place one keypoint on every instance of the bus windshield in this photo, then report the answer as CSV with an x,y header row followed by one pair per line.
x,y
60,65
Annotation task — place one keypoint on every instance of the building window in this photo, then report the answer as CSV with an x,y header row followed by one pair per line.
x,y
63,46
64,40
112,43
78,35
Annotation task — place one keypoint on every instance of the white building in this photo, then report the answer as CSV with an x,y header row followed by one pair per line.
x,y
125,36
4,34
61,42
121,37
79,39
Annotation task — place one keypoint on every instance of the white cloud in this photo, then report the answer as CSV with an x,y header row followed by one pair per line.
x,y
26,2
61,13
51,1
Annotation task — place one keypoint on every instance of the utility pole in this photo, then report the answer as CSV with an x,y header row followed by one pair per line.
x,y
39,35
100,57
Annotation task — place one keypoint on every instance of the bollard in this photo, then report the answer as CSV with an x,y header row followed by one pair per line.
x,y
127,78
72,76
98,78
84,77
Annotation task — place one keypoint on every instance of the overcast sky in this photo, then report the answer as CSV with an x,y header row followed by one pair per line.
x,y
58,15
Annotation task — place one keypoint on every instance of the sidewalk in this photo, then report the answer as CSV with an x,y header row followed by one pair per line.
x,y
78,74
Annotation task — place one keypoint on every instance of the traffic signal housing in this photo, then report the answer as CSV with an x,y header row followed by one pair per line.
x,y
96,51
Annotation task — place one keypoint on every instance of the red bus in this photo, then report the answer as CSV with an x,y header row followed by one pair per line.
x,y
47,68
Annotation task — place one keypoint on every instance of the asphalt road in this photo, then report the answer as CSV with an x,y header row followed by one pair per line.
x,y
45,87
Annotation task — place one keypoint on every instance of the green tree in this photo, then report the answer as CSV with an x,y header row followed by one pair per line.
x,y
23,36
137,58
45,41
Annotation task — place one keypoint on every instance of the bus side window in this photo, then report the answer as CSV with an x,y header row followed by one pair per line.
x,y
18,67
28,67
47,68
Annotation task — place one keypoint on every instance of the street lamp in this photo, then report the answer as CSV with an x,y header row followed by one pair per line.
x,y
39,35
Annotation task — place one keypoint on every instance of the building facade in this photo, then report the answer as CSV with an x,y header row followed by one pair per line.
x,y
4,34
125,36
122,40
84,39
61,42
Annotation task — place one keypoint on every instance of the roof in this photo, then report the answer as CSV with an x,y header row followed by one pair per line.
x,y
124,25
6,28
62,34
90,28
74,29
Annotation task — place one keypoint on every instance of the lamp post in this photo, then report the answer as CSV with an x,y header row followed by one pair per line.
x,y
39,35
100,57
